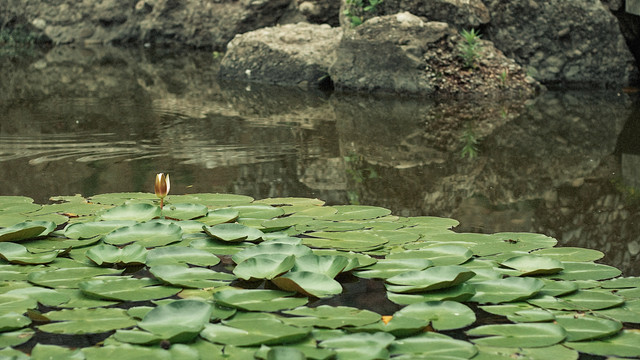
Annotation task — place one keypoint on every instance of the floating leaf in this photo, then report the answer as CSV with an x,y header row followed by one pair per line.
x,y
258,300
529,265
331,317
18,254
211,200
180,255
253,331
581,300
95,228
126,352
220,216
136,212
121,198
265,266
586,271
53,352
518,335
44,296
233,232
357,212
149,234
15,338
24,230
321,264
531,315
444,315
12,321
184,276
308,283
625,344
184,211
359,240
68,277
622,283
386,268
431,345
508,242
360,345
462,292
570,254
266,248
127,289
434,278
86,321
506,290
586,327
177,321
258,211
555,352
629,312
107,254
558,288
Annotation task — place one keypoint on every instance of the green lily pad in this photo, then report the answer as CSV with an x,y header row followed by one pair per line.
x,y
15,338
331,317
184,211
558,288
211,200
622,283
219,216
431,345
506,290
233,232
460,293
357,212
308,283
529,265
86,321
258,211
53,352
508,242
444,315
49,244
92,229
386,268
555,352
265,266
629,312
625,344
586,271
360,345
258,300
44,296
321,264
135,211
251,331
180,255
12,321
574,254
586,327
127,289
582,300
122,198
439,254
18,254
126,352
267,248
25,230
524,335
358,240
68,277
433,278
133,254
178,321
149,234
531,315
190,277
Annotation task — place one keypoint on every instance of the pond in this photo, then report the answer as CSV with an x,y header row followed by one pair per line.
x,y
97,120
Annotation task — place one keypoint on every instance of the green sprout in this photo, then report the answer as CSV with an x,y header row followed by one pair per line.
x,y
356,9
470,141
469,48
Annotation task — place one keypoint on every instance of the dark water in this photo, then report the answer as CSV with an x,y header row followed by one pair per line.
x,y
95,120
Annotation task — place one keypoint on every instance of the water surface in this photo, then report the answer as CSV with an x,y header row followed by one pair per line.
x,y
96,120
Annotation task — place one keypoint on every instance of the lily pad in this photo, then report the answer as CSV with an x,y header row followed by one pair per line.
x,y
524,335
12,321
357,212
258,300
68,277
150,234
570,254
180,255
136,212
92,229
18,254
127,289
586,271
444,315
265,266
220,216
506,290
359,240
386,268
178,321
253,331
439,254
431,345
460,293
434,278
331,317
266,248
86,321
308,283
190,277
24,230
625,344
233,232
184,211
360,345
133,254
586,327
583,300
530,265
321,264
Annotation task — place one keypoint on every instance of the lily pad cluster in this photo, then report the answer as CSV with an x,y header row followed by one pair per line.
x,y
226,276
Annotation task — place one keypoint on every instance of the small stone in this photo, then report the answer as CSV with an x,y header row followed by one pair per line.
x,y
39,24
634,247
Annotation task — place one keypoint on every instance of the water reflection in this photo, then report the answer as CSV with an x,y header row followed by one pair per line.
x,y
99,120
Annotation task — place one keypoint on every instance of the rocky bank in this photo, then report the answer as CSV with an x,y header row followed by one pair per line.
x,y
402,46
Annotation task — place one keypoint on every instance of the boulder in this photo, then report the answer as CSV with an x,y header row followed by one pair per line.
x,y
194,23
401,53
293,54
566,43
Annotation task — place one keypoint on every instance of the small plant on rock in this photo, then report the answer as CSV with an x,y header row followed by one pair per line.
x,y
470,47
357,8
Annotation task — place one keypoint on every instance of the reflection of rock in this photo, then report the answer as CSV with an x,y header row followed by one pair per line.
x,y
325,174
631,170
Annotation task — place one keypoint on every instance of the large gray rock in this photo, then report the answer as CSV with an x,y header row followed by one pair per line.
x,y
574,43
196,23
291,54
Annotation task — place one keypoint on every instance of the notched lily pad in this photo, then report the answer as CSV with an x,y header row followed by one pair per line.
x,y
233,232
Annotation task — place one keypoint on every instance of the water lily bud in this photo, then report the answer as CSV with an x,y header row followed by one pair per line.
x,y
162,185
